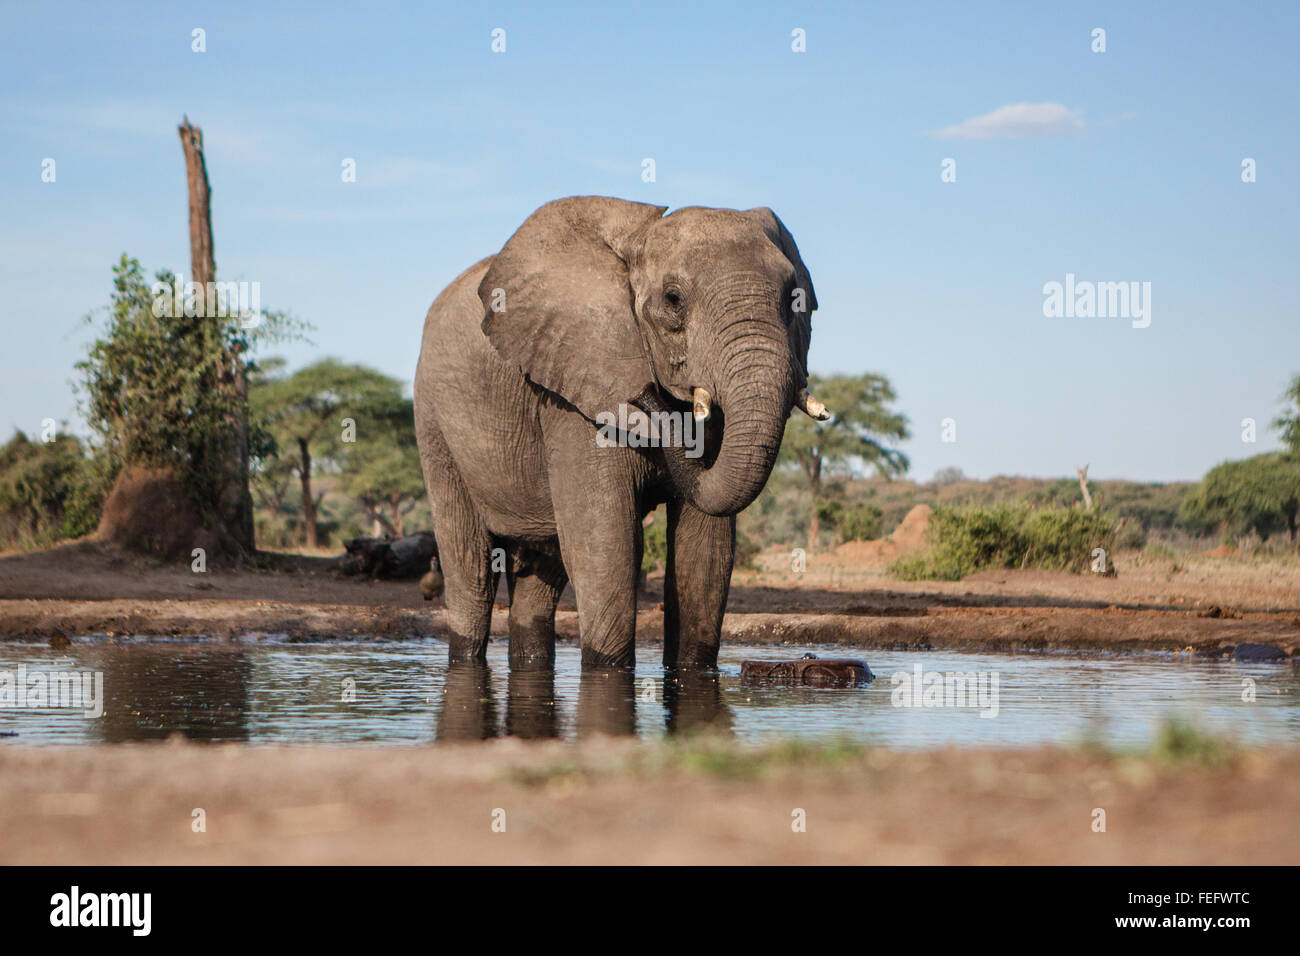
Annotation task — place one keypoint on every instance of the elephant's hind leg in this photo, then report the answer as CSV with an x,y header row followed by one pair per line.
x,y
464,551
539,578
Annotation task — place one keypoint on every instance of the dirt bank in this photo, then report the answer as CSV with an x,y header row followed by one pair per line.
x,y
987,629
1212,607
134,804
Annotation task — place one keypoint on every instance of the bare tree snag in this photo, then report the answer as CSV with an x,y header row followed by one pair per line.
x,y
813,469
311,539
1083,486
203,266
234,504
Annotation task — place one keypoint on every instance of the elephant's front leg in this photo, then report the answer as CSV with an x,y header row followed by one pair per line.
x,y
594,495
701,550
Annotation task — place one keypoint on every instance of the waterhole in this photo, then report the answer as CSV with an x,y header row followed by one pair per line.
x,y
404,692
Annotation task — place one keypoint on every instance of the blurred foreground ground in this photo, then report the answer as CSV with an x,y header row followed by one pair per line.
x,y
623,802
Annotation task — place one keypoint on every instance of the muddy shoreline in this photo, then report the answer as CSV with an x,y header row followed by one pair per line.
x,y
1220,611
1258,636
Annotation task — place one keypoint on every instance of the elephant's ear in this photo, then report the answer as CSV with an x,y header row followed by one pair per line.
x,y
801,307
558,303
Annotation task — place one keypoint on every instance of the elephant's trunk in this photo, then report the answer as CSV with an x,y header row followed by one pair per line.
x,y
755,389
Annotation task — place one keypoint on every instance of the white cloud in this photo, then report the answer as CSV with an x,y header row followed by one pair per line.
x,y
1018,121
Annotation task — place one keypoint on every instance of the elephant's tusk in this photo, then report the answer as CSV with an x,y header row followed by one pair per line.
x,y
811,407
703,404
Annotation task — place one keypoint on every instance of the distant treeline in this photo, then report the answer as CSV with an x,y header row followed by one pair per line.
x,y
331,453
1255,498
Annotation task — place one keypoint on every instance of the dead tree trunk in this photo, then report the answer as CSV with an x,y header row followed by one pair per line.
x,y
234,502
203,266
814,472
1083,486
310,538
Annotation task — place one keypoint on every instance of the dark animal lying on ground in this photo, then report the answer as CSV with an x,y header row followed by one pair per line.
x,y
399,559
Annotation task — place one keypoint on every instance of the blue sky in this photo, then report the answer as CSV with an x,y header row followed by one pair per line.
x,y
1127,167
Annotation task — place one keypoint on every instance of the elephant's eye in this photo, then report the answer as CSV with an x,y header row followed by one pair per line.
x,y
673,299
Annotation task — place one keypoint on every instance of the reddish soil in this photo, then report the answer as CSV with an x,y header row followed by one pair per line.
x,y
908,538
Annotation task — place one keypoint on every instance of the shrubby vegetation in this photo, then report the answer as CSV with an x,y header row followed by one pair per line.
x,y
144,380
48,491
963,541
161,390
849,506
1259,495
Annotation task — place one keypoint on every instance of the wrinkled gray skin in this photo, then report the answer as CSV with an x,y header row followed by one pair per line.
x,y
599,302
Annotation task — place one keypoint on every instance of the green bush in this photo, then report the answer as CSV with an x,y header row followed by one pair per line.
x,y
1063,540
48,491
860,522
1259,495
964,541
1130,535
654,547
161,388
148,382
829,511
746,550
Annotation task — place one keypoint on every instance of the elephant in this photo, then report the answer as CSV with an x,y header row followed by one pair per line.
x,y
609,359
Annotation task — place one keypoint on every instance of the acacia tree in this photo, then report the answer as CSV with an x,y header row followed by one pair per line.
x,y
383,475
381,470
1260,494
319,413
1288,423
859,434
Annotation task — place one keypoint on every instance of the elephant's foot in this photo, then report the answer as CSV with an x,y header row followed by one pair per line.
x,y
466,649
694,657
532,644
620,658
539,580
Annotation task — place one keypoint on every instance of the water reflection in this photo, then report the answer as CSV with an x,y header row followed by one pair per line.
x,y
406,693
150,696
606,703
693,701
468,710
531,708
